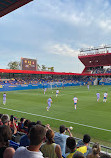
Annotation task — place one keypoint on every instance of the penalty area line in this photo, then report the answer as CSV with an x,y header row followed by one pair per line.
x,y
57,119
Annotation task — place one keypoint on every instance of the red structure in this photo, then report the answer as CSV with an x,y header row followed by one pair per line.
x,y
7,6
9,71
96,60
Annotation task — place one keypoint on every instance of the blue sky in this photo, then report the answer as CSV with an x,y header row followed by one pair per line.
x,y
53,30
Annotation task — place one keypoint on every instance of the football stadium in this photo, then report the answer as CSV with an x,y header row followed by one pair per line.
x,y
35,104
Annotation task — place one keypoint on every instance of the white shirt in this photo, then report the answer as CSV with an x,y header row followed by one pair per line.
x,y
105,94
23,152
75,99
57,91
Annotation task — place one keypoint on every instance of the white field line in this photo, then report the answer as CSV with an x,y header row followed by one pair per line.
x,y
57,119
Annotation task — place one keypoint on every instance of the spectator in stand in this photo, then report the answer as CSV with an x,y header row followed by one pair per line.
x,y
25,127
21,124
24,141
5,136
60,138
6,121
78,154
39,122
13,124
50,149
37,137
95,151
71,144
83,145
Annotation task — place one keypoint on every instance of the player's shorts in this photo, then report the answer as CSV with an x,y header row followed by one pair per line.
x,y
56,93
75,103
49,104
105,98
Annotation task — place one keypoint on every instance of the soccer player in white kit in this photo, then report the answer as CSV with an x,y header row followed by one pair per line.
x,y
98,96
49,101
57,92
105,97
88,86
4,98
45,90
75,102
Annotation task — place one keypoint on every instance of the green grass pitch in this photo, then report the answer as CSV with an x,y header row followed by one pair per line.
x,y
96,116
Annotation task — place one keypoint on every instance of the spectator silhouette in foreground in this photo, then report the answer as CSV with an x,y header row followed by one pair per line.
x,y
60,138
37,137
95,151
71,144
50,149
6,121
24,140
5,136
83,145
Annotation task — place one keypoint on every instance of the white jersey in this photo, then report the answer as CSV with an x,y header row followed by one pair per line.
x,y
57,91
75,99
4,96
45,89
105,94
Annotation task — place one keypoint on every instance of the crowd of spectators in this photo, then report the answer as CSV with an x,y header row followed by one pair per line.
x,y
24,81
98,70
106,80
26,139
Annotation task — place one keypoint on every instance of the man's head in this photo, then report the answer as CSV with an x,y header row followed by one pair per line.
x,y
71,143
86,139
62,129
37,135
5,119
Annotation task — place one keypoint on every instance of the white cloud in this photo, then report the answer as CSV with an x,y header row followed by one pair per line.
x,y
63,50
105,25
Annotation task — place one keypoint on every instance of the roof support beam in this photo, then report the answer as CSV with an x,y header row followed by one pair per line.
x,y
14,6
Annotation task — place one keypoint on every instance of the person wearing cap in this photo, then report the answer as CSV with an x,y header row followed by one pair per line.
x,y
60,138
6,121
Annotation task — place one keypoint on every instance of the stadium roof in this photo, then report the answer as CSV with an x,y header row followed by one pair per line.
x,y
49,73
94,60
7,6
35,72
